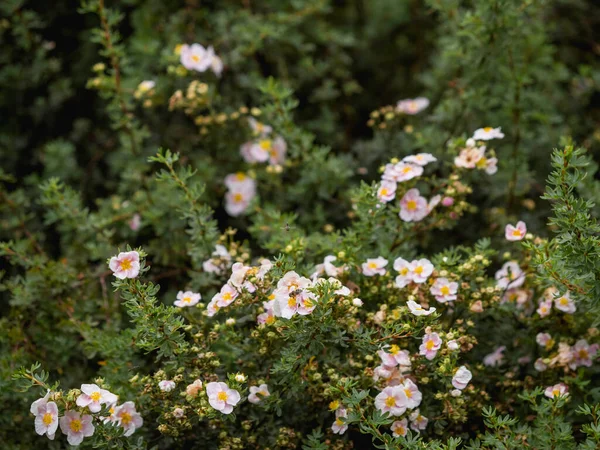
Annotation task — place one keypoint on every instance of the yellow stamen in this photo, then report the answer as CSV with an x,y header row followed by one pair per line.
x,y
445,290
222,396
487,129
390,401
47,419
411,205
95,396
76,425
126,418
125,264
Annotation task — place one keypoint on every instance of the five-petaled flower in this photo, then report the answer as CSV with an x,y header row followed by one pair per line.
x,y
94,397
517,232
76,426
125,265
221,397
187,298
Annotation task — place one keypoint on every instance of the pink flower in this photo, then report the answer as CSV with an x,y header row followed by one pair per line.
x,y
430,346
239,181
558,390
515,233
413,207
392,400
420,270
417,309
195,57
510,276
125,265
374,266
238,200
339,425
166,385
258,393
127,417
418,422
46,419
400,428
444,290
135,222
76,426
495,358
187,298
461,378
544,308
584,353
412,393
420,159
447,201
470,156
412,106
221,397
401,171
386,191
268,317
226,296
93,397
395,357
565,303
543,339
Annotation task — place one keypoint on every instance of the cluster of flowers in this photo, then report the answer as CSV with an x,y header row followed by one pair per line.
x,y
413,206
582,354
237,283
263,147
78,425
472,156
241,189
196,57
416,271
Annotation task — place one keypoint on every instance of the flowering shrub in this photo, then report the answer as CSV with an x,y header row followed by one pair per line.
x,y
305,267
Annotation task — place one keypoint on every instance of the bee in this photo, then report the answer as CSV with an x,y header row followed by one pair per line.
x,y
287,227
295,292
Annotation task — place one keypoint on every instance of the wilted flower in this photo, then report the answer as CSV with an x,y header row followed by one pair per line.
x,y
543,339
584,353
194,389
510,276
418,310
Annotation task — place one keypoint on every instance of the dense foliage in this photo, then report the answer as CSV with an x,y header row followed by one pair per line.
x,y
299,224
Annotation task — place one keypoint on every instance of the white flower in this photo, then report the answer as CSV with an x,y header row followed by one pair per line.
x,y
38,403
412,393
461,378
565,303
510,276
46,419
238,200
400,428
412,105
558,390
374,266
187,298
258,393
127,417
418,422
76,426
339,426
226,296
166,385
418,310
221,397
93,397
403,267
420,270
413,207
216,64
125,265
487,133
420,159
195,57
453,345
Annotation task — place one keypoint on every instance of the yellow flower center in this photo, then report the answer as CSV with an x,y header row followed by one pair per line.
x,y
240,176
270,320
487,129
125,264
516,233
271,297
481,163
563,301
187,300
394,349
411,205
227,296
291,302
419,270
47,419
265,144
430,345
408,393
555,392
195,58
407,169
384,191
583,354
400,430
445,290
75,425
334,405
238,197
372,265
339,422
307,303
222,396
95,396
390,401
126,418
